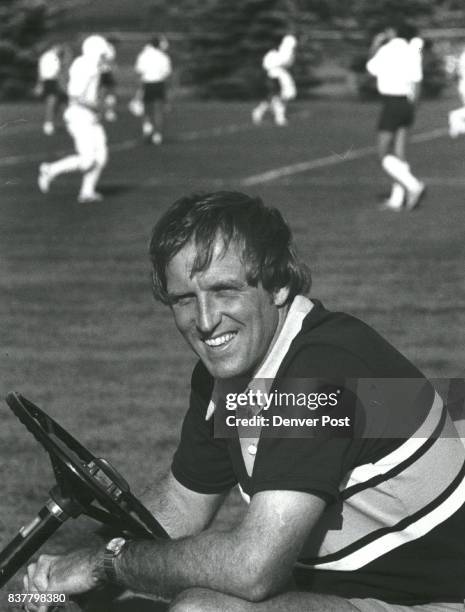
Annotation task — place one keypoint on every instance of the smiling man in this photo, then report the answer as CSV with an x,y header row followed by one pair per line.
x,y
361,521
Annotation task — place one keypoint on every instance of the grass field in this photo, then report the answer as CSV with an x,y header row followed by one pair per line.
x,y
80,334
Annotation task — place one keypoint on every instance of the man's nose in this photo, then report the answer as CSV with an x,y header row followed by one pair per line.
x,y
208,315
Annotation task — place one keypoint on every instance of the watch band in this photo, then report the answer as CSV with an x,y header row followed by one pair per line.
x,y
112,550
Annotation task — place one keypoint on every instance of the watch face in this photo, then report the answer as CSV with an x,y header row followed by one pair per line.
x,y
115,545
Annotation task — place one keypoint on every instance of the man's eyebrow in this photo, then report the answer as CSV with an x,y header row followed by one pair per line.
x,y
216,285
227,283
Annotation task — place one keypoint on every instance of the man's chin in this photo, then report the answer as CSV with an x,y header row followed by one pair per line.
x,y
223,371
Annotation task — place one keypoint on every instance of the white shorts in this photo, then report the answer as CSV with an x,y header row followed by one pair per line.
x,y
89,137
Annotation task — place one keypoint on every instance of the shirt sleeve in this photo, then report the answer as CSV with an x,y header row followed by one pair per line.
x,y
202,462
377,62
139,65
417,66
77,80
316,459
169,67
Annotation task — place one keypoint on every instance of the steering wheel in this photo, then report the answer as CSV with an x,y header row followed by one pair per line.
x,y
85,484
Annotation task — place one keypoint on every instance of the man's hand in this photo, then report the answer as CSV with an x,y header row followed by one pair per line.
x,y
75,573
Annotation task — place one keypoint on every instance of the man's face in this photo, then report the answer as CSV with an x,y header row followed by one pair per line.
x,y
228,323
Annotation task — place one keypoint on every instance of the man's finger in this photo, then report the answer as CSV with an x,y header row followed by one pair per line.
x,y
25,583
31,568
40,576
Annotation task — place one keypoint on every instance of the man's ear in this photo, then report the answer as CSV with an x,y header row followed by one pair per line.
x,y
280,296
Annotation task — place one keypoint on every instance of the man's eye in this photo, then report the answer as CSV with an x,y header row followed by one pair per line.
x,y
226,292
183,300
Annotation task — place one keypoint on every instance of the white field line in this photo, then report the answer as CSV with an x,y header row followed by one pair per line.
x,y
329,160
125,145
255,179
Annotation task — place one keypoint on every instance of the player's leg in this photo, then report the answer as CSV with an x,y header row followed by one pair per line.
x,y
147,117
400,150
98,157
108,86
50,112
278,107
385,146
398,118
400,143
260,111
158,119
79,162
397,169
397,196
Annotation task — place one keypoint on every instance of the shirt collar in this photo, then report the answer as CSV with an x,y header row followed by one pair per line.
x,y
298,310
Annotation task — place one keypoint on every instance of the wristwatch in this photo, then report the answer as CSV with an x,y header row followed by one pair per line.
x,y
112,551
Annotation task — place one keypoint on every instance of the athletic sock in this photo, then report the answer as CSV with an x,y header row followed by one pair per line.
x,y
400,172
147,128
259,112
90,180
279,111
396,199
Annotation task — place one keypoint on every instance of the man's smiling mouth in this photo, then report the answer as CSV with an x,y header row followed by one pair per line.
x,y
219,341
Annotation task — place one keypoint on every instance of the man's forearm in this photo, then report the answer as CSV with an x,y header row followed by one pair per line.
x,y
213,560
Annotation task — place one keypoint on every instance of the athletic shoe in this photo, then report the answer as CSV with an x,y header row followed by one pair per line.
x,y
414,198
257,116
110,116
281,122
157,138
45,178
89,198
386,205
147,129
48,128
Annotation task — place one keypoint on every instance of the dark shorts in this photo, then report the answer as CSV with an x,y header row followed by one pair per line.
x,y
273,87
154,91
107,80
51,87
397,112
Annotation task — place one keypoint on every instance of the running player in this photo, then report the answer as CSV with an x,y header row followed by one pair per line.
x,y
396,63
49,85
457,116
108,81
83,123
280,84
153,65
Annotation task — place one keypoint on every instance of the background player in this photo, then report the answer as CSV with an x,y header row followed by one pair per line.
x,y
108,81
51,84
153,65
280,84
457,116
83,123
396,63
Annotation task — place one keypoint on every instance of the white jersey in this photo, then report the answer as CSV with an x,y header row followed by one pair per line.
x,y
49,65
153,65
461,76
397,66
83,84
277,59
276,63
